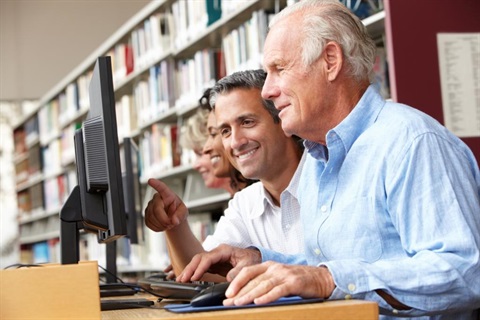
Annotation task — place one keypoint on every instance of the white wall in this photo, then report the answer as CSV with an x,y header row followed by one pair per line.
x,y
41,41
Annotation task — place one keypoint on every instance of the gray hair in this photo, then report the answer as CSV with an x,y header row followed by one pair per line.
x,y
249,79
330,20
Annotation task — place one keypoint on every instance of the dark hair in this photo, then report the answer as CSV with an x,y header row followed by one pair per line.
x,y
204,101
236,178
249,79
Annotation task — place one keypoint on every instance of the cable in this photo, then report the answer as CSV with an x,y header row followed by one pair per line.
x,y
22,265
111,273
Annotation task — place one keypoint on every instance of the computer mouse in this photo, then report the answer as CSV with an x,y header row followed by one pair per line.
x,y
211,296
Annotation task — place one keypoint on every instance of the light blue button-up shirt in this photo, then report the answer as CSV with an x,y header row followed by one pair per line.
x,y
393,203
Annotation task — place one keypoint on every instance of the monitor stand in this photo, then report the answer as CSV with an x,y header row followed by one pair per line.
x,y
71,224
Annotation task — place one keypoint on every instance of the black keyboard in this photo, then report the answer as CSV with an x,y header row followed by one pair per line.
x,y
116,289
170,289
116,304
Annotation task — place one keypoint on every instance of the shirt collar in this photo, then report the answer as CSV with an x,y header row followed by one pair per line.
x,y
360,118
293,185
260,207
263,206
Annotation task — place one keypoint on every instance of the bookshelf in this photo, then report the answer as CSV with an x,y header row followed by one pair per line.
x,y
163,59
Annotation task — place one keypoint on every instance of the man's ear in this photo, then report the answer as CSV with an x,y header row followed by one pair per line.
x,y
333,58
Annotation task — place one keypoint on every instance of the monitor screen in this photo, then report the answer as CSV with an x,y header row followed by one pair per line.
x,y
96,203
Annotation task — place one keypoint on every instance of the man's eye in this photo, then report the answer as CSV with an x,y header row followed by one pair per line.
x,y
224,132
278,69
248,123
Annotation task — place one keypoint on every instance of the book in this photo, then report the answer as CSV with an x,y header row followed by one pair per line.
x,y
19,142
31,131
159,150
24,202
214,11
34,161
41,252
48,121
21,171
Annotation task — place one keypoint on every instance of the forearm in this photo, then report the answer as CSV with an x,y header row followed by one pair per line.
x,y
410,286
182,246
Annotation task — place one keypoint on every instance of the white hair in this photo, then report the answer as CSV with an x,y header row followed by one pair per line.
x,y
330,20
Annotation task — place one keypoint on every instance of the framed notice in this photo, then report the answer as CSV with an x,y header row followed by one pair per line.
x,y
459,60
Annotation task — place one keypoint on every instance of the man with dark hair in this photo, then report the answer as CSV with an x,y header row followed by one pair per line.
x,y
263,214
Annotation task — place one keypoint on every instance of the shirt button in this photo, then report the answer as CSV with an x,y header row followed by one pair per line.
x,y
348,297
323,208
317,251
351,287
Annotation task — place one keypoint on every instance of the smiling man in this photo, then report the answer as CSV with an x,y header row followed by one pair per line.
x,y
265,214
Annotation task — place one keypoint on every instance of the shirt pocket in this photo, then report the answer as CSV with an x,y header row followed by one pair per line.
x,y
351,231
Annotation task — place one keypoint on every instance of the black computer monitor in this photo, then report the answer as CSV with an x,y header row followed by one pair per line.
x,y
131,190
97,202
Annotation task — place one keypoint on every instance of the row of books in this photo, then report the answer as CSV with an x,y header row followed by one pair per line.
x,y
48,195
41,229
190,17
54,116
31,197
22,171
41,252
49,121
158,150
57,189
150,251
243,46
128,254
154,94
149,42
28,168
163,32
194,75
166,83
26,136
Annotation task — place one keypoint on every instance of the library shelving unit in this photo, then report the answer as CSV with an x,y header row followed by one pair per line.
x,y
162,60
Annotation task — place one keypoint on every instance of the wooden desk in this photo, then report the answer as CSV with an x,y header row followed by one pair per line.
x,y
332,310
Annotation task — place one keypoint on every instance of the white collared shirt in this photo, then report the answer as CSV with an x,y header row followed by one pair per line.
x,y
252,219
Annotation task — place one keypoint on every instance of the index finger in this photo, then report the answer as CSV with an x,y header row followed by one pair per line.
x,y
170,198
198,266
158,185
